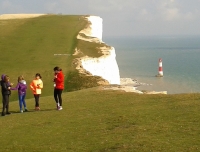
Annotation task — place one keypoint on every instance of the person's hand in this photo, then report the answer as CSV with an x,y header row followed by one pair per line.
x,y
11,84
55,76
8,88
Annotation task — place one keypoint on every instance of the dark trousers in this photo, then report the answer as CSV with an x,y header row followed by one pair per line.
x,y
5,103
36,96
57,96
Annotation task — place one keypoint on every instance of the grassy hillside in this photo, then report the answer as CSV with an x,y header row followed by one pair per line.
x,y
28,46
103,121
92,120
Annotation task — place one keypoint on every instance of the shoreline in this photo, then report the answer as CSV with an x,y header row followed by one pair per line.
x,y
131,85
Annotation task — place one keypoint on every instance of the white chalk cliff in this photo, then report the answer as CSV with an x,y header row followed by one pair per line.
x,y
94,31
104,66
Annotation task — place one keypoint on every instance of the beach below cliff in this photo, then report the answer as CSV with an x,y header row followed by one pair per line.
x,y
133,85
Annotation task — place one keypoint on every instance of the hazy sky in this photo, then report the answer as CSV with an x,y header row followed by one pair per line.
x,y
122,17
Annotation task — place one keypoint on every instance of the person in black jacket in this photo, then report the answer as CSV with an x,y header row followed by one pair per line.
x,y
5,90
2,77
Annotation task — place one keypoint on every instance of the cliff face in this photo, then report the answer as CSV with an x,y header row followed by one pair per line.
x,y
94,30
104,66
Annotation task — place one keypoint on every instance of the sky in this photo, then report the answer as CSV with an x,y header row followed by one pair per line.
x,y
122,17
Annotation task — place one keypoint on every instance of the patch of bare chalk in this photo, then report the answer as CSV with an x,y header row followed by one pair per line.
x,y
18,16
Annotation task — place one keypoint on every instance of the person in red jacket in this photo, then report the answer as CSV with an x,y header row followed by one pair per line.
x,y
58,86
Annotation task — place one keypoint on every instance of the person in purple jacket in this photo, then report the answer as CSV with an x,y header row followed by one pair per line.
x,y
21,87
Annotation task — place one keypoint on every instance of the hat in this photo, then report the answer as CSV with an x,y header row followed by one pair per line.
x,y
2,76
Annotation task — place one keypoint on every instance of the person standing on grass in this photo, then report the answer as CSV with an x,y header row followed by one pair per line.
x,y
36,86
2,78
5,90
58,86
21,87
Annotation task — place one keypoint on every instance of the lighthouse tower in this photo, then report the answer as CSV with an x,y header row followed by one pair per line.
x,y
160,70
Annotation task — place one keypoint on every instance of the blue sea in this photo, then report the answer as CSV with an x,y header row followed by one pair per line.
x,y
137,58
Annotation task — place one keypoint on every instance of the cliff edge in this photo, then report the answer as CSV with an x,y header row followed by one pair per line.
x,y
104,64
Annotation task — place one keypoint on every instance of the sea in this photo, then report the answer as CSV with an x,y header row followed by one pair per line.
x,y
137,58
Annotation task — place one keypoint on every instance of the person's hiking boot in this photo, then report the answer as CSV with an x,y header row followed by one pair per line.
x,y
21,111
8,113
26,110
2,114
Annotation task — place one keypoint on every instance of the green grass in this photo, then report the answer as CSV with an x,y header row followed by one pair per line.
x,y
92,120
27,47
101,121
90,49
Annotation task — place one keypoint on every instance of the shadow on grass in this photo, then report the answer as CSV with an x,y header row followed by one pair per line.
x,y
33,110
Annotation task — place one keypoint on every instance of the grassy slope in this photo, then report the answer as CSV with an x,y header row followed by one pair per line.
x,y
94,120
27,46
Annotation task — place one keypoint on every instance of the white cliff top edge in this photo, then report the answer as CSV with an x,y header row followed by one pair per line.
x,y
18,16
93,31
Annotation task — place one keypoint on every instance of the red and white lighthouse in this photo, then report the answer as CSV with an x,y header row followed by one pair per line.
x,y
160,69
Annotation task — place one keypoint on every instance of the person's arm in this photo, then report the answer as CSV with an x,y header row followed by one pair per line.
x,y
60,77
55,77
32,86
4,86
16,88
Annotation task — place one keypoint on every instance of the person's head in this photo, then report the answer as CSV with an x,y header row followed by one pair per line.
x,y
20,78
38,76
6,78
57,69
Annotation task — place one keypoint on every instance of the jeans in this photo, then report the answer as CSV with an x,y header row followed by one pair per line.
x,y
22,101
